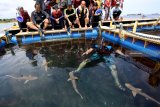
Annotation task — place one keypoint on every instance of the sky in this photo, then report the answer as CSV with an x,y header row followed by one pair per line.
x,y
8,7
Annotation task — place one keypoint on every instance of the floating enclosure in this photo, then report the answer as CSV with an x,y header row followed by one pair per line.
x,y
126,36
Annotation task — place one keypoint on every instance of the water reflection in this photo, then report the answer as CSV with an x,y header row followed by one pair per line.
x,y
154,79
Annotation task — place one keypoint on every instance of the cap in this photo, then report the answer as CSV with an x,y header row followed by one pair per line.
x,y
117,3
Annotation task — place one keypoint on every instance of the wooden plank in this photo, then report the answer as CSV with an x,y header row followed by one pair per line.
x,y
36,32
129,34
81,29
127,20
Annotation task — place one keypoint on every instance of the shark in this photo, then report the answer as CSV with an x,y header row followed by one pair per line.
x,y
45,64
26,78
136,91
73,79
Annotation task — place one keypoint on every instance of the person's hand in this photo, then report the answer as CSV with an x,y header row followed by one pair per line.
x,y
70,23
92,12
57,20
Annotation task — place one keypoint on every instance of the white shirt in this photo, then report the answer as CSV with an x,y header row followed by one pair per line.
x,y
115,9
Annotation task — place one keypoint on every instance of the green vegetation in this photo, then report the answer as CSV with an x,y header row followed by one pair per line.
x,y
7,20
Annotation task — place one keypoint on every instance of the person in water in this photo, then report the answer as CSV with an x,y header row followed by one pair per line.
x,y
99,53
39,19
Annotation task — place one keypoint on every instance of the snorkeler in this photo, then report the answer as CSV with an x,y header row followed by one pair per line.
x,y
97,53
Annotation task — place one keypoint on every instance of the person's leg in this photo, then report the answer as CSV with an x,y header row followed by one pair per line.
x,y
52,23
86,22
46,21
20,26
83,64
78,22
107,12
31,26
109,61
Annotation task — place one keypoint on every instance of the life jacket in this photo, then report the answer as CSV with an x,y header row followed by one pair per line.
x,y
104,50
56,13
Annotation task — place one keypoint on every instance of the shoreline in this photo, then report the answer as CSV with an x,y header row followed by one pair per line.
x,y
1,22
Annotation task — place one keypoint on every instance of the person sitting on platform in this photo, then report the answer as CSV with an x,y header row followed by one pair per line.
x,y
39,19
57,18
116,12
49,4
23,18
107,6
95,18
82,15
97,54
70,16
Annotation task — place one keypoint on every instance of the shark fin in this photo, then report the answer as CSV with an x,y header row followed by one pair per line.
x,y
26,81
73,78
134,94
139,89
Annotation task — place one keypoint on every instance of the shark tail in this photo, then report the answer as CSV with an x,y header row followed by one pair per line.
x,y
79,94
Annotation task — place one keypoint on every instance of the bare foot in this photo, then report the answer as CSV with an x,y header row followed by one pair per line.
x,y
20,31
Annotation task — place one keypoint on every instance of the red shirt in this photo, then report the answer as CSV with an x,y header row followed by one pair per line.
x,y
113,3
56,14
25,16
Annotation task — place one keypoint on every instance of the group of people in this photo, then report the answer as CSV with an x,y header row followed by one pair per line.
x,y
70,13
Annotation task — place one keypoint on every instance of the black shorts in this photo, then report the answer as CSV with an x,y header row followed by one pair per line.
x,y
71,19
116,14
